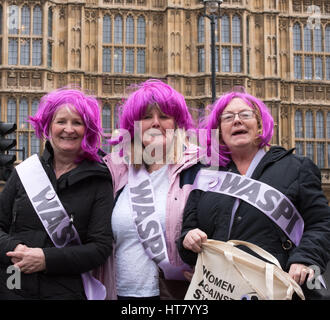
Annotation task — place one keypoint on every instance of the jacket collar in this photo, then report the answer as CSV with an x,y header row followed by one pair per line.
x,y
85,169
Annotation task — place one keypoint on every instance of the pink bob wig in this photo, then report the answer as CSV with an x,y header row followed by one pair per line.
x,y
88,109
213,121
151,92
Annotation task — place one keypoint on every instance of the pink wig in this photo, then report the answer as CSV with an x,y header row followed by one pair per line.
x,y
88,109
213,121
151,92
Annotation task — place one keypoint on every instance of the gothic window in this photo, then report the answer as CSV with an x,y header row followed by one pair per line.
x,y
25,35
141,30
106,59
327,38
12,51
50,22
129,60
297,67
296,37
37,53
307,38
315,127
129,30
25,52
309,124
118,30
237,57
201,30
106,125
106,29
124,55
236,29
37,21
141,61
298,124
309,60
11,111
308,67
225,29
201,60
23,114
318,40
118,60
25,25
226,59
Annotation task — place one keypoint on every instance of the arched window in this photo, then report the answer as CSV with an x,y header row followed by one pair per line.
x,y
236,29
141,30
50,22
308,67
118,29
225,29
129,30
23,114
106,29
328,127
309,124
201,30
13,19
307,38
319,125
327,38
37,20
318,40
11,110
296,37
25,18
298,121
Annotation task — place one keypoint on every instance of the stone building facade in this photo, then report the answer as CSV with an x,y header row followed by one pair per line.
x,y
279,50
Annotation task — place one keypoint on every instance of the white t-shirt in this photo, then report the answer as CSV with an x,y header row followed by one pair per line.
x,y
136,273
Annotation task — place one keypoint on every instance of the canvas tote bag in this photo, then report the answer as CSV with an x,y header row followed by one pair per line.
x,y
225,272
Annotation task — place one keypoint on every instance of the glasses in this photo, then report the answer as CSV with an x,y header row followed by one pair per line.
x,y
229,117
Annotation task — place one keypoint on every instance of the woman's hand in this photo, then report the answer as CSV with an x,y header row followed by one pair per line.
x,y
28,260
298,272
194,239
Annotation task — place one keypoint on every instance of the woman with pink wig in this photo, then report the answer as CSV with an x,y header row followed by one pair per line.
x,y
57,234
149,176
270,198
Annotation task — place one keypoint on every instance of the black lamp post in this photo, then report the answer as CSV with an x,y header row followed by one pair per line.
x,y
212,11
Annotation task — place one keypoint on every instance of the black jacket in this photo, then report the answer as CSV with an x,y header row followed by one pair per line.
x,y
296,177
86,194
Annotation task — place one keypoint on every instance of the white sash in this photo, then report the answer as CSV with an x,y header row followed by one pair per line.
x,y
149,229
267,199
53,216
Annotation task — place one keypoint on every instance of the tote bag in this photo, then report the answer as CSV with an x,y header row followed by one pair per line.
x,y
225,272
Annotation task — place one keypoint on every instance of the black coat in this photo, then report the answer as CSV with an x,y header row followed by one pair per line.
x,y
296,177
86,194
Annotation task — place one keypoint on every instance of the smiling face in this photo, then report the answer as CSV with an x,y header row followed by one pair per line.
x,y
154,125
239,135
67,131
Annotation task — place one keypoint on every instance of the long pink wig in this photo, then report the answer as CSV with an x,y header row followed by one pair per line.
x,y
213,121
88,109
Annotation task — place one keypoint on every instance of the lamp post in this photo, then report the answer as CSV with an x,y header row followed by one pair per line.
x,y
212,11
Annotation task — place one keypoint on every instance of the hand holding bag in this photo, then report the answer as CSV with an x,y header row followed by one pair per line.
x,y
225,272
